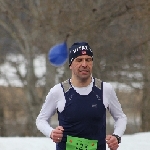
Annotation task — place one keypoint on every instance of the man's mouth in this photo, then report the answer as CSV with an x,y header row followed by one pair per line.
x,y
84,71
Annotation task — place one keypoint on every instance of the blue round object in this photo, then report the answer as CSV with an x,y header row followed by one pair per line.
x,y
58,54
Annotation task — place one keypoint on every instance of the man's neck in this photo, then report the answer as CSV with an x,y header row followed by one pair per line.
x,y
80,83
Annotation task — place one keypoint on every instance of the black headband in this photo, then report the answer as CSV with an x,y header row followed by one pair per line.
x,y
78,49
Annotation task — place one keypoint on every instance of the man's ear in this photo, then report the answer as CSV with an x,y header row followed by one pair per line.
x,y
70,67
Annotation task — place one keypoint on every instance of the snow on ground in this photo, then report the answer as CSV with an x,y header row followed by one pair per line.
x,y
138,141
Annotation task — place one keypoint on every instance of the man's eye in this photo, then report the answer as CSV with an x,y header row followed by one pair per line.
x,y
89,59
78,60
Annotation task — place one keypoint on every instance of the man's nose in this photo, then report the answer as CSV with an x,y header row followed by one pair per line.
x,y
84,63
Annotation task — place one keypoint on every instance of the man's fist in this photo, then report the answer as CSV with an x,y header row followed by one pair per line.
x,y
112,142
57,134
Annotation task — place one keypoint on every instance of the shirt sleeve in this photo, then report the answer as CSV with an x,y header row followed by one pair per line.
x,y
47,111
116,112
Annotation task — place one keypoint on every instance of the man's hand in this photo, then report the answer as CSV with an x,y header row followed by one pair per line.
x,y
112,142
57,134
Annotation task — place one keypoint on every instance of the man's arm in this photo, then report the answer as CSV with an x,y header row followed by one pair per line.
x,y
116,112
47,111
114,107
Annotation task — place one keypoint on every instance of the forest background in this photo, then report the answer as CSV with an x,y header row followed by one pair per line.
x,y
118,33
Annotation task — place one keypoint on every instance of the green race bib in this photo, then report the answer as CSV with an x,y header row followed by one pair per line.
x,y
75,143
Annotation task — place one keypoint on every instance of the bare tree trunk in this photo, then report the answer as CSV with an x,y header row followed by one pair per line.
x,y
2,125
145,116
145,111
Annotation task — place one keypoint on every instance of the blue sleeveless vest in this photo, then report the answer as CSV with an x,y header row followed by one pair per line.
x,y
83,116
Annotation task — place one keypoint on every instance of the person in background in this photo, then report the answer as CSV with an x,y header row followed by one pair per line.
x,y
81,103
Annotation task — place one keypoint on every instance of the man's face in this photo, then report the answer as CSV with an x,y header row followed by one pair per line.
x,y
82,67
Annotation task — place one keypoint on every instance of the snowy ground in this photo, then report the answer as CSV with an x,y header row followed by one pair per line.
x,y
139,141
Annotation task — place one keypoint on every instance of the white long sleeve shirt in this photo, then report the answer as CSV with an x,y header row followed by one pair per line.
x,y
56,100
